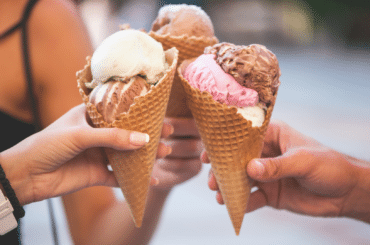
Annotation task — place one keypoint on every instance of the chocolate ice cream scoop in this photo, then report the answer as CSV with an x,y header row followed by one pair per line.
x,y
252,66
113,98
180,19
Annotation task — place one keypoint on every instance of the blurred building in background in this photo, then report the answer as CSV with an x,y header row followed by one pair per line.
x,y
290,23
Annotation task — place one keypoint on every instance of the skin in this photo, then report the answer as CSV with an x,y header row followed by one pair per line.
x,y
299,174
67,156
59,45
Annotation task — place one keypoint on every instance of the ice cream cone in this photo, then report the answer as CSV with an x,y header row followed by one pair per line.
x,y
230,141
189,47
133,168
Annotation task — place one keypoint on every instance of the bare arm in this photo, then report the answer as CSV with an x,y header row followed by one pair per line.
x,y
115,225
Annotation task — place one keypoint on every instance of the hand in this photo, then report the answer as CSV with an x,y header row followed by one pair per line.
x,y
183,162
67,156
299,174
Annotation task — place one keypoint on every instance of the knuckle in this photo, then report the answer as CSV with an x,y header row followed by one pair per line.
x,y
273,168
117,136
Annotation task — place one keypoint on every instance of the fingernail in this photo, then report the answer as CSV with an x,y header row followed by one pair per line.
x,y
259,168
172,129
155,181
139,139
169,150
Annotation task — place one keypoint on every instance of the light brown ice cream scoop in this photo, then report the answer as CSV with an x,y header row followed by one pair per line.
x,y
182,19
115,97
252,66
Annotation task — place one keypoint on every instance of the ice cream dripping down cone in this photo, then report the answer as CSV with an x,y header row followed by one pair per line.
x,y
133,168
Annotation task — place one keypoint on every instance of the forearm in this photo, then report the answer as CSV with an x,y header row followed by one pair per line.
x,y
358,204
115,226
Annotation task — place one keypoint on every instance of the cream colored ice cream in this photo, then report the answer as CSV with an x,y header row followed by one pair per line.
x,y
125,54
123,67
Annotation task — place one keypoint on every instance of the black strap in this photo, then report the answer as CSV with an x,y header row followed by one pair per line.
x,y
18,209
10,30
27,64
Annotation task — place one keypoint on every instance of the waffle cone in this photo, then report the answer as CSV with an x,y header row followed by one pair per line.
x,y
133,169
189,47
230,141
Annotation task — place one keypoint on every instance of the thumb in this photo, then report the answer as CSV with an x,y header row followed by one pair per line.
x,y
119,139
292,164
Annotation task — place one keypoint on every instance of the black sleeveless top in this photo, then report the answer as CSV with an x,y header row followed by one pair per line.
x,y
9,125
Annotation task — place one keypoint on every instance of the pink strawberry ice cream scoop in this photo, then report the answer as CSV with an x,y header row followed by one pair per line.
x,y
252,66
206,75
236,75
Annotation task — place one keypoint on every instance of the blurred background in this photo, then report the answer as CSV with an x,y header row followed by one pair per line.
x,y
323,48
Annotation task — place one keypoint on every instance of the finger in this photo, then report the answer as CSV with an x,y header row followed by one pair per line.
x,y
172,171
257,200
163,150
212,183
183,127
184,148
280,138
271,147
219,198
154,181
99,174
75,116
119,139
111,180
295,163
176,165
204,157
167,130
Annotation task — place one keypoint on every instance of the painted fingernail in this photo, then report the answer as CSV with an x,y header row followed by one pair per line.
x,y
259,168
139,139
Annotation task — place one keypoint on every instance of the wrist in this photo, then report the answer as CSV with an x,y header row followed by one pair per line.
x,y
358,205
16,177
11,209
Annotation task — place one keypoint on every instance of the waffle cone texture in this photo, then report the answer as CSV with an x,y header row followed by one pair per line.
x,y
230,141
133,169
189,47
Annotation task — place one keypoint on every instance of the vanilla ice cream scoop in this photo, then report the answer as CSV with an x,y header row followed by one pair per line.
x,y
125,54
